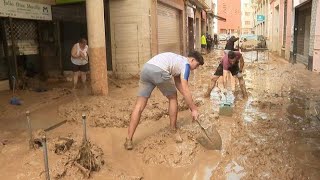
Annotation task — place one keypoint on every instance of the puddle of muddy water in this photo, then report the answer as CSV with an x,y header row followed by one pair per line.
x,y
251,113
307,151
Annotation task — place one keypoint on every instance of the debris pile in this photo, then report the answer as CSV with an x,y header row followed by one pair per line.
x,y
85,158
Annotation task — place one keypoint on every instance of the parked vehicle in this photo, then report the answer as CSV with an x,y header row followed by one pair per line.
x,y
223,37
252,41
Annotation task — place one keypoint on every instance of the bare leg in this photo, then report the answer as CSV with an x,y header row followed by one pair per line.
x,y
136,114
83,78
173,110
75,79
212,83
243,87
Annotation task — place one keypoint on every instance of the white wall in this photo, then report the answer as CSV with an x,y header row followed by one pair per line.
x,y
215,28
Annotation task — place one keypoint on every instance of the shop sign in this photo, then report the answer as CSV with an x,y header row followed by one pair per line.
x,y
260,18
25,10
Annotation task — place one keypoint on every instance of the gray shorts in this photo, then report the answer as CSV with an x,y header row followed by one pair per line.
x,y
152,76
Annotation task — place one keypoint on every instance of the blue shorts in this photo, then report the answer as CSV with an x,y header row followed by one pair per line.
x,y
152,76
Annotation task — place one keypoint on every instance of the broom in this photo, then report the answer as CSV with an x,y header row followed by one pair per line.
x,y
14,100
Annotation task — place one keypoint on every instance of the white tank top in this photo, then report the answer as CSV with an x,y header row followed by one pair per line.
x,y
80,61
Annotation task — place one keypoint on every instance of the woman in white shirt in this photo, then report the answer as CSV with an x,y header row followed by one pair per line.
x,y
79,59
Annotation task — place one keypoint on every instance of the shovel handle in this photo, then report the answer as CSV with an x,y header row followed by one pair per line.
x,y
84,127
199,124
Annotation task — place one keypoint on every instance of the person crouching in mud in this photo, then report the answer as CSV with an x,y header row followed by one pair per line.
x,y
167,71
230,62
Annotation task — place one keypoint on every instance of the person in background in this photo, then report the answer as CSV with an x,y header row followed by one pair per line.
x,y
234,63
203,44
169,72
209,43
79,59
230,44
215,40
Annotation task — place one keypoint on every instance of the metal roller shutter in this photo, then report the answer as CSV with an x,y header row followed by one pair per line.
x,y
168,29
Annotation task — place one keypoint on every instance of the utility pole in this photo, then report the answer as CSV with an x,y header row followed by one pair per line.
x,y
97,47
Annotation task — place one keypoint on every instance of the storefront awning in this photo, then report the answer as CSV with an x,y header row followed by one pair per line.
x,y
220,18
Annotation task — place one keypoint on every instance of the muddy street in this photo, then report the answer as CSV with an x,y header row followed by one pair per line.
x,y
274,134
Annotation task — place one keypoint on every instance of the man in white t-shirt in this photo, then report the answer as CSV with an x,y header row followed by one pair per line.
x,y
167,71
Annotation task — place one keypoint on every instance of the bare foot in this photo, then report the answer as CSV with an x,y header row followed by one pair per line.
x,y
176,136
128,145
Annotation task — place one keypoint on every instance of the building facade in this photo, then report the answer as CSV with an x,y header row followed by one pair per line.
x,y
261,10
292,29
231,11
135,31
247,17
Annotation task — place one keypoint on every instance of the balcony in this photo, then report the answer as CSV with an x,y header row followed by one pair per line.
x,y
201,3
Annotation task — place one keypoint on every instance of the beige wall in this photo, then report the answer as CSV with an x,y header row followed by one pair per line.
x,y
316,46
154,26
132,12
197,30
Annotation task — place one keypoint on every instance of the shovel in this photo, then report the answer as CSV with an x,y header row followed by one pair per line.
x,y
211,139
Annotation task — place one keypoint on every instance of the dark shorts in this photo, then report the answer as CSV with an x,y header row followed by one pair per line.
x,y
203,46
233,69
82,68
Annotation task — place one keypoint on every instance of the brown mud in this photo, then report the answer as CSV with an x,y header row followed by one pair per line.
x,y
275,134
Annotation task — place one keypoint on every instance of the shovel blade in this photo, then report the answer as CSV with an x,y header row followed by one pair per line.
x,y
210,139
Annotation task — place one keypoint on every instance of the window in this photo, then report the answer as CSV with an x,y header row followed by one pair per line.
x,y
247,22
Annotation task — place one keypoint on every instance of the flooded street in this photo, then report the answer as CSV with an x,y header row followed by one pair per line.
x,y
274,134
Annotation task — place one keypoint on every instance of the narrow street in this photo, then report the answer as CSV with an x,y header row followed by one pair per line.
x,y
275,134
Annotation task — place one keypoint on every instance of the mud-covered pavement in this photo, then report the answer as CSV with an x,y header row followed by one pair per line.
x,y
275,134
